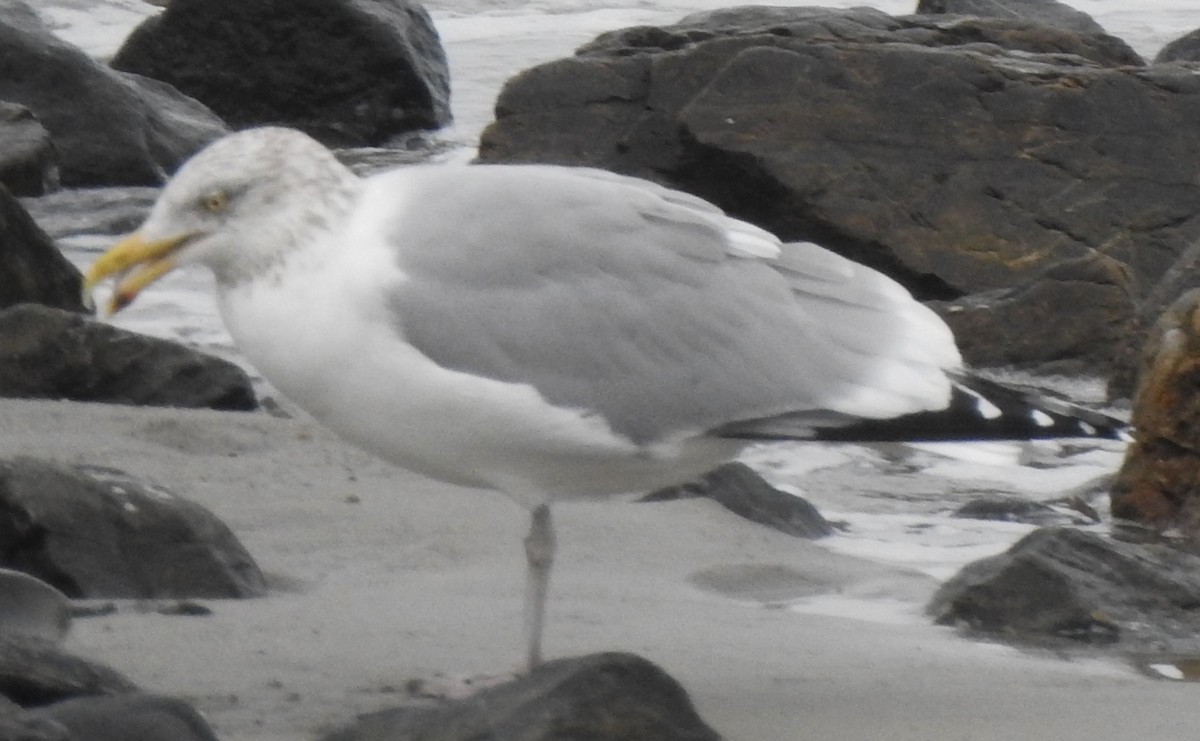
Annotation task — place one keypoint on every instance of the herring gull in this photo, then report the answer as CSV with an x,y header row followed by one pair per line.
x,y
548,332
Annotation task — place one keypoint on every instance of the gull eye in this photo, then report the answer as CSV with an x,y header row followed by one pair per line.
x,y
215,202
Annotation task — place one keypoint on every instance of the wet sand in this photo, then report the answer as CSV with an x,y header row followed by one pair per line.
x,y
379,577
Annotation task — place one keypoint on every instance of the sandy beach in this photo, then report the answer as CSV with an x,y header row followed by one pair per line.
x,y
379,577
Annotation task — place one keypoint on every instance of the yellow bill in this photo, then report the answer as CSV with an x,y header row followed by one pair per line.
x,y
137,262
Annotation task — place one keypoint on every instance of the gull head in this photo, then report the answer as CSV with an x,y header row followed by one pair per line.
x,y
236,207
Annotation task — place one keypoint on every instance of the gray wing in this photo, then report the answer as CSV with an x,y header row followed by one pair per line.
x,y
647,306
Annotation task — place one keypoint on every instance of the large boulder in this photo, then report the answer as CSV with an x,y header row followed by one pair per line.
x,y
1158,484
109,128
348,72
31,607
48,353
28,160
1065,587
91,212
1186,48
31,267
1002,165
1008,327
38,672
99,533
599,697
1044,12
867,25
959,154
130,717
15,727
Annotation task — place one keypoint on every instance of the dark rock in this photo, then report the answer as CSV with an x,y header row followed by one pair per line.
x,y
1156,485
184,608
1156,300
108,128
186,124
974,213
28,160
1009,327
91,211
348,72
1033,38
1061,586
600,697
414,149
742,491
132,717
98,533
31,267
18,727
1183,49
865,25
959,155
31,607
806,23
1011,509
1044,12
37,672
51,354
977,184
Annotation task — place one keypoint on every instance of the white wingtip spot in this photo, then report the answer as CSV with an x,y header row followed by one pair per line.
x,y
1041,419
1170,671
1087,429
985,408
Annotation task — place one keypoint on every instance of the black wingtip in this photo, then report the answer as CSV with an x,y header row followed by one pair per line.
x,y
980,409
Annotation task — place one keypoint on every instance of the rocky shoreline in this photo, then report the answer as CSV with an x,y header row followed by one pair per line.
x,y
1028,174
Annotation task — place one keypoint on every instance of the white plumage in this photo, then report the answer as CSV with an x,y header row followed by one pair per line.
x,y
545,331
